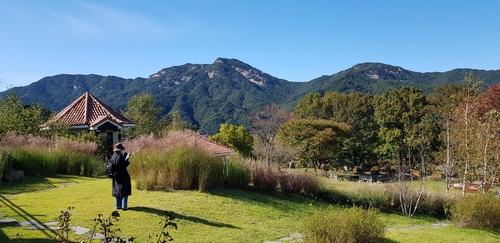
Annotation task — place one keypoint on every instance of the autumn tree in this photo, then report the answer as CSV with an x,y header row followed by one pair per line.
x,y
444,102
485,127
487,164
265,125
236,137
463,137
319,141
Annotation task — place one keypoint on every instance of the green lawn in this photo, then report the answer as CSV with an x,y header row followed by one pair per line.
x,y
217,216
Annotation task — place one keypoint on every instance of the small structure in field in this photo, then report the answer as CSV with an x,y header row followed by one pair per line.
x,y
87,113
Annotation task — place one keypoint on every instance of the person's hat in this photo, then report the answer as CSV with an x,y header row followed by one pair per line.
x,y
118,147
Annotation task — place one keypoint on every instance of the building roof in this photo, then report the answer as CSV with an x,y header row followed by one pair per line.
x,y
88,112
187,137
213,148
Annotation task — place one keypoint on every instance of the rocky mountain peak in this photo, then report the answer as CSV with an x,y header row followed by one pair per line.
x,y
250,73
380,71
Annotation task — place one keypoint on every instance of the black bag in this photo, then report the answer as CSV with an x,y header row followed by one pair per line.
x,y
110,169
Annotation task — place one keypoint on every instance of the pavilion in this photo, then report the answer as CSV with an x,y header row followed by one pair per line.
x,y
87,113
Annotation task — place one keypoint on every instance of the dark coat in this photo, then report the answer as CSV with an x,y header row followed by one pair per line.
x,y
121,182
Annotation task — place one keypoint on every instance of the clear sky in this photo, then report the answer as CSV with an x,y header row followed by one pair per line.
x,y
293,40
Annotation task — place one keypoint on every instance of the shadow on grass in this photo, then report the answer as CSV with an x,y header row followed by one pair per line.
x,y
27,217
275,200
385,240
493,231
35,183
183,217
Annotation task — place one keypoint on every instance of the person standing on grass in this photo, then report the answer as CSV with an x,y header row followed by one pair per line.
x,y
121,187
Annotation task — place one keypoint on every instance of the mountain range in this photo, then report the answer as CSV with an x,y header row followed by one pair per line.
x,y
225,91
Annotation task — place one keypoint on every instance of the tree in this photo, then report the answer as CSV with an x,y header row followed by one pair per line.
x,y
463,135
397,111
174,122
488,144
142,111
409,135
236,137
21,119
33,116
422,139
355,109
265,124
310,107
277,153
444,102
319,141
485,128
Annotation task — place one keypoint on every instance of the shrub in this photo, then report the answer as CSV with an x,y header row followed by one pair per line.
x,y
347,225
437,175
374,170
356,169
476,211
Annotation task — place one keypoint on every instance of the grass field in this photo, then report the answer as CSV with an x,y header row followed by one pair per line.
x,y
216,216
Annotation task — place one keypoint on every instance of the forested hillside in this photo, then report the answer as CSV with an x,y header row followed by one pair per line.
x,y
227,90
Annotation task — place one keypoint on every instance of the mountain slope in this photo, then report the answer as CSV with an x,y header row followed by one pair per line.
x,y
227,90
375,78
205,94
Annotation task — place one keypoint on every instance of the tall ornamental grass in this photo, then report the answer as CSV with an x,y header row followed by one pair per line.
x,y
12,141
49,163
371,195
47,157
265,178
181,160
236,173
351,225
177,161
298,182
240,173
181,168
381,196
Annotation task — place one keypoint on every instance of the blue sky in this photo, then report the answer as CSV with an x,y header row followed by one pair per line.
x,y
293,40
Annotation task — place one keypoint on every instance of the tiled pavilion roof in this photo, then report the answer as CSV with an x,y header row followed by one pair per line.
x,y
192,138
87,110
213,148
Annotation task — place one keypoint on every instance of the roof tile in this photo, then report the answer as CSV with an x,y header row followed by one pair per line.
x,y
88,110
